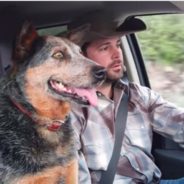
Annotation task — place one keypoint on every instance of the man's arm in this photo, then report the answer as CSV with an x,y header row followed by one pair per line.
x,y
166,118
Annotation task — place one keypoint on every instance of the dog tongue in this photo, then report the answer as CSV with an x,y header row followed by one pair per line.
x,y
90,94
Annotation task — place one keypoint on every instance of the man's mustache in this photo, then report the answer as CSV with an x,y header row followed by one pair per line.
x,y
114,63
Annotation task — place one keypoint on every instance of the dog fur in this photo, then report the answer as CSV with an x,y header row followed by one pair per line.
x,y
37,144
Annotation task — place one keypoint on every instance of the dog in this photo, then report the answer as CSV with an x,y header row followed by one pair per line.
x,y
37,142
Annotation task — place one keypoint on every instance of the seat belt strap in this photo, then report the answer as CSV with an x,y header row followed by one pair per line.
x,y
120,124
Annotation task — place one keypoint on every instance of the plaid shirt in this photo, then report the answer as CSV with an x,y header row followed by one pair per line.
x,y
147,112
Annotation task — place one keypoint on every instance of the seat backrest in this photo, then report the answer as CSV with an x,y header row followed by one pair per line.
x,y
10,22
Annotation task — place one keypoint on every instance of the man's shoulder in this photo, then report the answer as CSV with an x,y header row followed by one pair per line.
x,y
131,85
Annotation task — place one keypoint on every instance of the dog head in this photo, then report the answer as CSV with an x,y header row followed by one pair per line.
x,y
53,67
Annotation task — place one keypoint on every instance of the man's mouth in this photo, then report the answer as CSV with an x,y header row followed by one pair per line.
x,y
117,67
83,96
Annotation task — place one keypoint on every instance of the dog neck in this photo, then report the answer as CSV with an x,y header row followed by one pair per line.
x,y
54,125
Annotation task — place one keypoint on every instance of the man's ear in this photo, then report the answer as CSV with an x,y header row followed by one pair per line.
x,y
79,34
24,42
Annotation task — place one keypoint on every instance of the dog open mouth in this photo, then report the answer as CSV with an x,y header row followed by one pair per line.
x,y
83,96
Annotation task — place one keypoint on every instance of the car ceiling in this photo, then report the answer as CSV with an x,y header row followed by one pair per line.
x,y
47,13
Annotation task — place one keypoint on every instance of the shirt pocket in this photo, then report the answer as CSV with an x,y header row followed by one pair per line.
x,y
97,157
136,121
138,130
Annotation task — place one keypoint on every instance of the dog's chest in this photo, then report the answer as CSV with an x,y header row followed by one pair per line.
x,y
25,150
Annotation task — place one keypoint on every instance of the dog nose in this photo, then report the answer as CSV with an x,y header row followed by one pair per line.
x,y
99,72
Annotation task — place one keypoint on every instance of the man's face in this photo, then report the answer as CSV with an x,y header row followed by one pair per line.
x,y
107,52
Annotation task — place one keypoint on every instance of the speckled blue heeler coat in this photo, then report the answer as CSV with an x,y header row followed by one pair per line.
x,y
37,144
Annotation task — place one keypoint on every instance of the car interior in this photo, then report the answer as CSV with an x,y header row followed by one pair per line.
x,y
44,15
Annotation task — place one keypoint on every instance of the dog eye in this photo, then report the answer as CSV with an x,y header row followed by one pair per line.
x,y
58,55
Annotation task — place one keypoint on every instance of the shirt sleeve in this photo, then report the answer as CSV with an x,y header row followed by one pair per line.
x,y
167,118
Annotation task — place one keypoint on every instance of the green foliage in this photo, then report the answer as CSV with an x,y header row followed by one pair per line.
x,y
163,41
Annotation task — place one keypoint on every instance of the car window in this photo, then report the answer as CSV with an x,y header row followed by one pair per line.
x,y
162,47
54,30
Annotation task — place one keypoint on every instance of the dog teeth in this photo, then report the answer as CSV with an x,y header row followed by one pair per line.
x,y
60,85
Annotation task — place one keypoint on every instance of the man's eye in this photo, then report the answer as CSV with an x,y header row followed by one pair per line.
x,y
58,55
103,48
119,45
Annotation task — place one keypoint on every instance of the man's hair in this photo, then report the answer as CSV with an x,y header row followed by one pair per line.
x,y
84,48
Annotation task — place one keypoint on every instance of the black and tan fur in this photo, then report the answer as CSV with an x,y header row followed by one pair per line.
x,y
32,151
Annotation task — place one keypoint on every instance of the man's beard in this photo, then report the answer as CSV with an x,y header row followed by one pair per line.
x,y
113,76
112,79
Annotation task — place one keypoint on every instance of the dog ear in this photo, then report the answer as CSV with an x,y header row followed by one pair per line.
x,y
24,42
79,34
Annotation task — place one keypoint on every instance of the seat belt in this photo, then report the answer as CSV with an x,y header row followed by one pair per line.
x,y
120,124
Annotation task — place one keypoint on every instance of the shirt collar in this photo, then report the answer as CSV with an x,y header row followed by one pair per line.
x,y
118,89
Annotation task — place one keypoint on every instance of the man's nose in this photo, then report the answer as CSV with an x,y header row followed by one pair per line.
x,y
117,53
